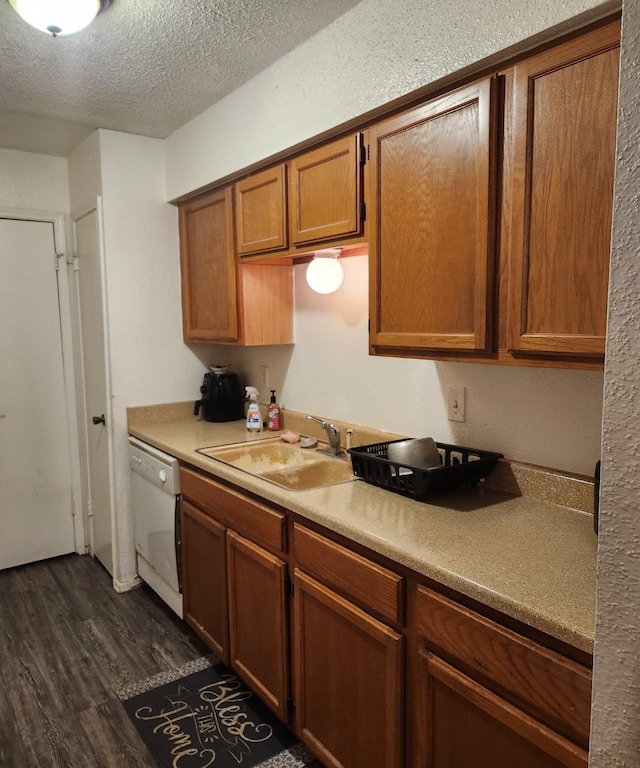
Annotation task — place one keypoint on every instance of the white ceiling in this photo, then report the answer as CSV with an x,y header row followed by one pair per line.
x,y
143,66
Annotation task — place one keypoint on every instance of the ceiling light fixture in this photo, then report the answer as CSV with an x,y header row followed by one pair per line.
x,y
59,17
324,273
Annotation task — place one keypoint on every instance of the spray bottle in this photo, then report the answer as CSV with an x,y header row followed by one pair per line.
x,y
254,417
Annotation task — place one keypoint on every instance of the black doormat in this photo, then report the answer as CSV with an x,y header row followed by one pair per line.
x,y
210,719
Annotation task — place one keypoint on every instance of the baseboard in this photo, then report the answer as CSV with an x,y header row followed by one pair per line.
x,y
127,586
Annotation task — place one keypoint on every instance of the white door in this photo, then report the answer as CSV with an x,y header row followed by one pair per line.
x,y
96,384
36,509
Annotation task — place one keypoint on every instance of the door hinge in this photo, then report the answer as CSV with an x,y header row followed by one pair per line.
x,y
56,258
75,262
363,211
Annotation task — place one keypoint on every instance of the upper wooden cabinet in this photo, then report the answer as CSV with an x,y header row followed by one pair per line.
x,y
325,193
564,139
491,214
431,188
488,220
208,262
223,301
261,212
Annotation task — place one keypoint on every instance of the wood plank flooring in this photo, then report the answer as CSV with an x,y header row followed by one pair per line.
x,y
67,642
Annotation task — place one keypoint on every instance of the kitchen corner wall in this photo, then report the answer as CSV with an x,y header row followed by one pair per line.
x,y
374,53
615,719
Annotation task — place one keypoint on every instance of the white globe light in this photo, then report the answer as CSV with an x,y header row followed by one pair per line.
x,y
325,274
58,17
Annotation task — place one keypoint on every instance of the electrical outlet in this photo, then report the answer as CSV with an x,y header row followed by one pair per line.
x,y
264,375
457,403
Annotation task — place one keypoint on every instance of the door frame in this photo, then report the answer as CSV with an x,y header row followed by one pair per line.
x,y
82,401
69,363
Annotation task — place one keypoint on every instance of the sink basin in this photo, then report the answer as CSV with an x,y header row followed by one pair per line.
x,y
285,464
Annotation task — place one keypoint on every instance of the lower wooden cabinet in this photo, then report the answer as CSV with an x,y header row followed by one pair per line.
x,y
258,621
204,577
462,724
235,586
378,680
348,672
486,697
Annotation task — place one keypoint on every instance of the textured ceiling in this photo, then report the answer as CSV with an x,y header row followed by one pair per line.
x,y
143,66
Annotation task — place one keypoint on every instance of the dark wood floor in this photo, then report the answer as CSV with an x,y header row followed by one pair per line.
x,y
68,641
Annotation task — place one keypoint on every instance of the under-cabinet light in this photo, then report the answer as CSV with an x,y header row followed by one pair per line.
x,y
324,272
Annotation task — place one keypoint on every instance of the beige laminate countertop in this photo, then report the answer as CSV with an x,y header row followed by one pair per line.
x,y
530,559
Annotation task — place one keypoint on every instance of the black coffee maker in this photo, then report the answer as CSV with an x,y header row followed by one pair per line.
x,y
222,396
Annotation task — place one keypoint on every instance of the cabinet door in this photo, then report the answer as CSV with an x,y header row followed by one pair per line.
x,y
258,636
432,252
348,673
204,577
460,724
564,138
209,287
261,212
325,192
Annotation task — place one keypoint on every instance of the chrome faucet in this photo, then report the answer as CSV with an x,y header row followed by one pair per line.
x,y
333,434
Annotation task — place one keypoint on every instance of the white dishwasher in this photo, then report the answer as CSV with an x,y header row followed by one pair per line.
x,y
155,480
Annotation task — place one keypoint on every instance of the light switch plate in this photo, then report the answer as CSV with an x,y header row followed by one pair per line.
x,y
457,403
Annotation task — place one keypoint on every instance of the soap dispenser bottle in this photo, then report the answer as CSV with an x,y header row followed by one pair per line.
x,y
274,422
254,417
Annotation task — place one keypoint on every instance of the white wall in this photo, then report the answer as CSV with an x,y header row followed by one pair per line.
x,y
546,417
374,53
378,51
33,182
149,361
85,175
616,706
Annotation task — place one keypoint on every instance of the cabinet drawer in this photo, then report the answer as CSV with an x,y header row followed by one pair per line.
x,y
369,585
255,521
550,687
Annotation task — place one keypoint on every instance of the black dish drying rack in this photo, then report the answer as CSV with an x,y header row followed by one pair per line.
x,y
460,466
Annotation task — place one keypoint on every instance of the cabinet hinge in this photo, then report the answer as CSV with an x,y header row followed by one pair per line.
x,y
288,585
364,154
363,211
291,708
369,325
